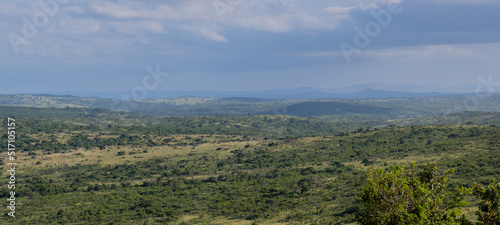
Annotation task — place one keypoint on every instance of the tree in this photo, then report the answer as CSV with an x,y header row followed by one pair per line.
x,y
489,207
409,197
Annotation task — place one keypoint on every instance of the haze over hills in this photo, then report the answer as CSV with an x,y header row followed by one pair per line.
x,y
250,112
411,88
371,90
370,107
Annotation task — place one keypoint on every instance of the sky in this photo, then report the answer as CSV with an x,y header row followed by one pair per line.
x,y
62,46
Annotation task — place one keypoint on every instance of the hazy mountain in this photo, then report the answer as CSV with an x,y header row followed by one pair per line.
x,y
371,90
412,88
370,93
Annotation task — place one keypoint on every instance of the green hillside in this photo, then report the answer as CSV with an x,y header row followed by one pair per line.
x,y
336,109
154,174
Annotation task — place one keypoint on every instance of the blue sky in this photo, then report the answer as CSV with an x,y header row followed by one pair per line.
x,y
105,46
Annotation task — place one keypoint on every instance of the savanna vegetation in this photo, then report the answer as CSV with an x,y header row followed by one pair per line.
x,y
81,166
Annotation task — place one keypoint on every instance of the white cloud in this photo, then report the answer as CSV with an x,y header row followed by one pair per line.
x,y
405,53
133,10
338,10
154,10
279,16
212,35
279,23
412,53
72,26
91,26
327,54
368,6
139,27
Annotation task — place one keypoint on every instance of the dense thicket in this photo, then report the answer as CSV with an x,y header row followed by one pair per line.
x,y
311,179
258,168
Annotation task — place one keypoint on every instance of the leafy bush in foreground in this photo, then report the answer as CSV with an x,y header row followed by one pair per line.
x,y
418,197
409,197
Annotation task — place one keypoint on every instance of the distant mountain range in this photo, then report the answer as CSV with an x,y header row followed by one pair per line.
x,y
371,90
412,88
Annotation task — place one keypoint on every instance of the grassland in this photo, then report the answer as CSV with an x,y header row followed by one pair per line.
x,y
77,172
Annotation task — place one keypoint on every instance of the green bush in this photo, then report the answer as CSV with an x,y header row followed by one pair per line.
x,y
122,153
489,208
409,197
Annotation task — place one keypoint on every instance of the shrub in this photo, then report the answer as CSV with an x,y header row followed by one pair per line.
x,y
122,153
409,197
489,207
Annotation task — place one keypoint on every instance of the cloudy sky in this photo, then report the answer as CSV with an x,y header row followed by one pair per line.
x,y
106,45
